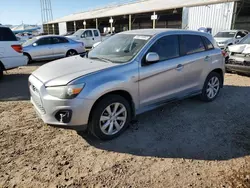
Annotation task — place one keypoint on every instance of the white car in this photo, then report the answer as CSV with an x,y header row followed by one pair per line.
x,y
88,36
230,37
11,51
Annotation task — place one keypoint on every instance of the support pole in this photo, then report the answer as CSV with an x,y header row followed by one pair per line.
x,y
111,25
154,22
129,23
53,26
96,23
74,26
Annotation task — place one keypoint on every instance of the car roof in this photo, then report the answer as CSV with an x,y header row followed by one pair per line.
x,y
153,32
45,36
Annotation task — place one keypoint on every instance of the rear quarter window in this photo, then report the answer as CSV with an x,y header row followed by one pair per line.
x,y
7,35
191,44
208,43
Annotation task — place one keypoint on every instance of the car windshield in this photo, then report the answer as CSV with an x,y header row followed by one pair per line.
x,y
245,40
225,34
78,33
30,41
119,48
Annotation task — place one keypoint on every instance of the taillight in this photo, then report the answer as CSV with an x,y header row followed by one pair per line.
x,y
18,48
224,53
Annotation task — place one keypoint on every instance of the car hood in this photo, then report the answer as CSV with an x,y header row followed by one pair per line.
x,y
240,48
63,71
219,39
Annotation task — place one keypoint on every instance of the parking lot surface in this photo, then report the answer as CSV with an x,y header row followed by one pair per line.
x,y
183,144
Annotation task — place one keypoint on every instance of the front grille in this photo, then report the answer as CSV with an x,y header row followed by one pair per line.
x,y
36,98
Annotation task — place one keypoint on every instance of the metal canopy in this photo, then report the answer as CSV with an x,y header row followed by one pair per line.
x,y
141,6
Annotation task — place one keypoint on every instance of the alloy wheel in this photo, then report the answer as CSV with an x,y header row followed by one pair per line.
x,y
72,53
113,118
213,87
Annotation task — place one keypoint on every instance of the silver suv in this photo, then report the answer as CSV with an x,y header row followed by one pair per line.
x,y
127,74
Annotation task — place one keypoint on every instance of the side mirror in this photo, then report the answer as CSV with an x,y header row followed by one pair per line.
x,y
152,57
238,36
34,44
83,36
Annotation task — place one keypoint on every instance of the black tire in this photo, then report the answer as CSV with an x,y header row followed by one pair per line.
x,y
71,53
204,95
94,123
1,72
28,57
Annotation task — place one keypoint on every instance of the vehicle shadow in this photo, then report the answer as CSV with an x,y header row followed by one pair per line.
x,y
14,87
189,129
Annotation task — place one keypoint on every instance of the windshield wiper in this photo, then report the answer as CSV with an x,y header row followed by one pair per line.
x,y
102,59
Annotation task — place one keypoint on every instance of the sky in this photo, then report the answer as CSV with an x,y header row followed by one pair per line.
x,y
15,12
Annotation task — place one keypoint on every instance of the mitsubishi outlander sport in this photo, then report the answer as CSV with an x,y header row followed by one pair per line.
x,y
127,74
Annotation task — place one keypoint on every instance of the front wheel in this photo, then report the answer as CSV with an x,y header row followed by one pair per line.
x,y
110,117
211,87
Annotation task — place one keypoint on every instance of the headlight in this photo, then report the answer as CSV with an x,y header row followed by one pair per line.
x,y
65,92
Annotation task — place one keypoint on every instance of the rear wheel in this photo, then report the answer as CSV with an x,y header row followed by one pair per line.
x,y
110,117
71,53
211,87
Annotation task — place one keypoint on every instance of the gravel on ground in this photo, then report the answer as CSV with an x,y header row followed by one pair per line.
x,y
183,144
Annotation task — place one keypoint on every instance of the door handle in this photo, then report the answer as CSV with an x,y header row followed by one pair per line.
x,y
179,67
93,38
207,58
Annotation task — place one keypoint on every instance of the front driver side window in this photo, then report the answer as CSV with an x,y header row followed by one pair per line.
x,y
166,47
43,41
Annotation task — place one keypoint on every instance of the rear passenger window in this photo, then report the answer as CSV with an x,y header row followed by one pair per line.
x,y
96,33
6,34
191,44
166,47
208,44
58,40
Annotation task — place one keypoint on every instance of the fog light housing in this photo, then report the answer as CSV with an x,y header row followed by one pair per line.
x,y
63,116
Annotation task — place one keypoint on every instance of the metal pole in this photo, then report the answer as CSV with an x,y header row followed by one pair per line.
x,y
234,15
51,14
111,25
74,26
154,22
129,23
42,14
53,26
96,23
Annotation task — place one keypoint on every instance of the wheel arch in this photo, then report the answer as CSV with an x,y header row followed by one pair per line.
x,y
26,53
123,93
221,73
2,65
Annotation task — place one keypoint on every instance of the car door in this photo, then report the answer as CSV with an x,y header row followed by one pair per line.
x,y
195,60
160,81
88,38
97,36
60,46
42,48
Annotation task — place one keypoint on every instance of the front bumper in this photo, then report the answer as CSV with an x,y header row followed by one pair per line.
x,y
48,106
